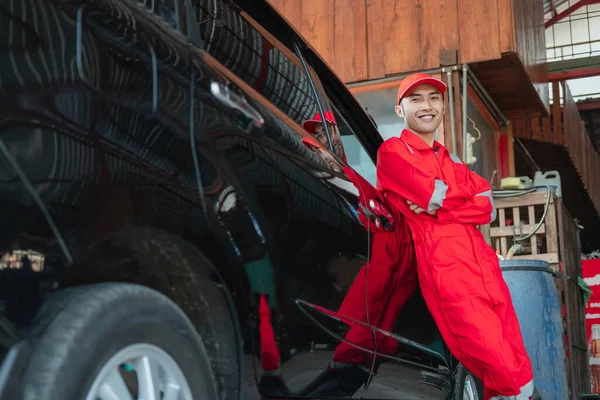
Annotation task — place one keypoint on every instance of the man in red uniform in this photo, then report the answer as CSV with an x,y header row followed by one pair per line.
x,y
316,128
458,271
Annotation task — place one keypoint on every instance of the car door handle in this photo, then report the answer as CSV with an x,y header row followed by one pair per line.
x,y
237,102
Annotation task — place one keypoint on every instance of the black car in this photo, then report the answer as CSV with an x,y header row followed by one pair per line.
x,y
156,186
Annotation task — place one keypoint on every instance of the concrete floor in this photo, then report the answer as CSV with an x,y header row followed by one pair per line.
x,y
393,381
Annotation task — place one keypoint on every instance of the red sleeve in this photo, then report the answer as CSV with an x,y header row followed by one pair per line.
x,y
399,172
479,209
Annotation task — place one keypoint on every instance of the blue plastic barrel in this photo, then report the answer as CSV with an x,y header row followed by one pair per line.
x,y
538,309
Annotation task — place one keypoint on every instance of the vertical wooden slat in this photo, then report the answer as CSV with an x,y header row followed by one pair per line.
x,y
584,155
546,129
534,244
438,30
511,150
506,25
570,251
292,11
350,44
401,39
375,39
479,34
318,28
517,128
536,129
448,32
527,128
430,34
502,220
551,226
556,115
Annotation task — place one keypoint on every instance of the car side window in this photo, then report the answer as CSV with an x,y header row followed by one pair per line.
x,y
257,57
356,156
357,131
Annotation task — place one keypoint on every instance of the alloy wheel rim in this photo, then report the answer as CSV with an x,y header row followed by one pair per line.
x,y
470,389
142,371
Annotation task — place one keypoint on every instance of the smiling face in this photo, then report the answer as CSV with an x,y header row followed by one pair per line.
x,y
320,134
336,140
422,109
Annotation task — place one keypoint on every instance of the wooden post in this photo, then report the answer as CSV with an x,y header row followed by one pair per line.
x,y
556,114
510,141
457,113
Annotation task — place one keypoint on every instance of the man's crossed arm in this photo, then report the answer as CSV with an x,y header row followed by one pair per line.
x,y
425,193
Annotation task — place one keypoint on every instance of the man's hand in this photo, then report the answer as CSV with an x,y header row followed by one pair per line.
x,y
418,210
328,158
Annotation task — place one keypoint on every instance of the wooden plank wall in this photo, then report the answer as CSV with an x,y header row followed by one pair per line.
x,y
579,145
370,39
566,128
530,43
576,342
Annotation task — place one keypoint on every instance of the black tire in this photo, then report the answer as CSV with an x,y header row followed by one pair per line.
x,y
78,330
145,256
464,375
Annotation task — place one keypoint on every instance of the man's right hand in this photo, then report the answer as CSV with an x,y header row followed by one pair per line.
x,y
370,222
376,218
418,210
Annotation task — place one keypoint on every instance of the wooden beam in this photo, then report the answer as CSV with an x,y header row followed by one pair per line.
x,y
576,73
588,105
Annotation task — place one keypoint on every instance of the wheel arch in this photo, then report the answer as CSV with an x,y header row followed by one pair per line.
x,y
200,283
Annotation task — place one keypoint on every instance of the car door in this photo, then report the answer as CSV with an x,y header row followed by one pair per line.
x,y
309,244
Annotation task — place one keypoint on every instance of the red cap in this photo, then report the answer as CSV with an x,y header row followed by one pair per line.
x,y
417,79
309,124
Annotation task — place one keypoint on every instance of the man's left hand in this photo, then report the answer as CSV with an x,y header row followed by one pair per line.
x,y
418,210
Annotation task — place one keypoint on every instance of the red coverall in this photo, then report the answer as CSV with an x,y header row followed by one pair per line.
x,y
458,271
382,286
380,290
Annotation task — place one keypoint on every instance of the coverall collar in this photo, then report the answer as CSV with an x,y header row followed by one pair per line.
x,y
417,143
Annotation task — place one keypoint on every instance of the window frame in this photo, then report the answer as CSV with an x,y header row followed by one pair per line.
x,y
346,105
294,56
